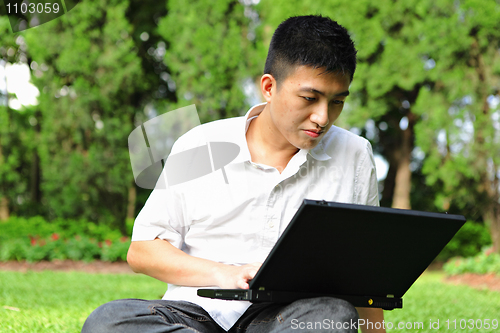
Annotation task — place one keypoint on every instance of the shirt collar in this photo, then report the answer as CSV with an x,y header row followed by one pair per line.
x,y
317,152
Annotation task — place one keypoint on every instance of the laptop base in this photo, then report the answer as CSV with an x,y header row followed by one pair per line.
x,y
257,296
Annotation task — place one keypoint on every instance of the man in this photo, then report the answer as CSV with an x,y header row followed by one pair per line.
x,y
207,232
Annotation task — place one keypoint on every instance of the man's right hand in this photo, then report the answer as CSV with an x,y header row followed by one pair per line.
x,y
234,277
163,261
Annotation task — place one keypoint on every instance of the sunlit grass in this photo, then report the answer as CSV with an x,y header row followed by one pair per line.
x,y
60,302
429,300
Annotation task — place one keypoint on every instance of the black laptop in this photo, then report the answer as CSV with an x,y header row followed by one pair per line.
x,y
369,256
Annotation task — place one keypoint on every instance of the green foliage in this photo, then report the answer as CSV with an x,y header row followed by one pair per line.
x,y
115,251
210,54
468,241
17,134
483,263
458,128
34,239
88,101
33,249
18,227
17,138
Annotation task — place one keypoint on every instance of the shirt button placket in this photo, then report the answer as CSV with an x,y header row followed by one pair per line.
x,y
273,217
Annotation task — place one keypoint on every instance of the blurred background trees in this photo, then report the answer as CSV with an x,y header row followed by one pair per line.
x,y
426,94
18,159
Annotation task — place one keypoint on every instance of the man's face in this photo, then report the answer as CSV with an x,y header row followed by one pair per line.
x,y
305,105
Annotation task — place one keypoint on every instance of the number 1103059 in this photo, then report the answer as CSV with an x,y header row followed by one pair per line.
x,y
472,324
32,8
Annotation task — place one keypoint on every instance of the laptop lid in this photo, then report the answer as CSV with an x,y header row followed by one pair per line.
x,y
347,249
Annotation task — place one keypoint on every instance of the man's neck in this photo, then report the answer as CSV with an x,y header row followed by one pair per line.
x,y
266,144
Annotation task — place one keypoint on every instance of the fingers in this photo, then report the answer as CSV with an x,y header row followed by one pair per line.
x,y
254,267
237,276
242,284
251,269
248,273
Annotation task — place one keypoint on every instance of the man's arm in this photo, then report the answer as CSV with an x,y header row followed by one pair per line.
x,y
163,261
373,316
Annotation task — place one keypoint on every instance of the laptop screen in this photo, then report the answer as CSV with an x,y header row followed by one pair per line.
x,y
351,249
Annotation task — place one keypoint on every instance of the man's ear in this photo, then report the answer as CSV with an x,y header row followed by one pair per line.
x,y
267,86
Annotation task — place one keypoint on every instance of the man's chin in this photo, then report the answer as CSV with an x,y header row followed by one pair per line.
x,y
307,145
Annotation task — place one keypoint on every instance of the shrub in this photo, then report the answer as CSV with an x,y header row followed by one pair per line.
x,y
116,251
19,227
485,262
34,239
15,249
76,248
468,242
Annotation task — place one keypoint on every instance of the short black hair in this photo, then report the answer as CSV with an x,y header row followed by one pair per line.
x,y
314,41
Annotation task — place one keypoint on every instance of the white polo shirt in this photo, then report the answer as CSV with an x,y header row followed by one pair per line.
x,y
240,221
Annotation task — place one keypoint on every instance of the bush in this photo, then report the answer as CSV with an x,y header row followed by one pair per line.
x,y
53,248
468,242
15,249
116,251
19,227
35,239
485,262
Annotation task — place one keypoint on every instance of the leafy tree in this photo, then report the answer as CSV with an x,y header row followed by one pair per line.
x,y
89,101
460,128
19,169
5,120
211,52
160,89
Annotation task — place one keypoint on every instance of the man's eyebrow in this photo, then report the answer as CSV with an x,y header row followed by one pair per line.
x,y
309,89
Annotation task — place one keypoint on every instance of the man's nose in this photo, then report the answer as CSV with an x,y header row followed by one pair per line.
x,y
320,115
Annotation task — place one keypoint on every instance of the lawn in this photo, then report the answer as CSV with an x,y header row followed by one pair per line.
x,y
60,302
430,300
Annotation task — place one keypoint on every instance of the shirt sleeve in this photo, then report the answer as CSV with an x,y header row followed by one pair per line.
x,y
164,215
161,217
366,187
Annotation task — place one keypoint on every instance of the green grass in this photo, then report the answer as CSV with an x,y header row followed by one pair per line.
x,y
429,299
60,302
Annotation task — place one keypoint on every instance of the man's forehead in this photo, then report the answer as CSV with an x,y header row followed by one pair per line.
x,y
314,90
316,72
308,78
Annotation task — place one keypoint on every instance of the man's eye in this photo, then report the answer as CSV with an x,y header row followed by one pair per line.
x,y
309,99
338,102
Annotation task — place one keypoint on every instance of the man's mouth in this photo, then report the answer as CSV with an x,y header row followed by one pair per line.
x,y
313,133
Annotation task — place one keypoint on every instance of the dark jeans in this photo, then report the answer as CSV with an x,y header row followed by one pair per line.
x,y
322,314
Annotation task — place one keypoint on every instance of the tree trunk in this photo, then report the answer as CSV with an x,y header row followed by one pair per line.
x,y
489,183
4,202
35,178
402,187
492,218
36,193
389,181
4,209
132,194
